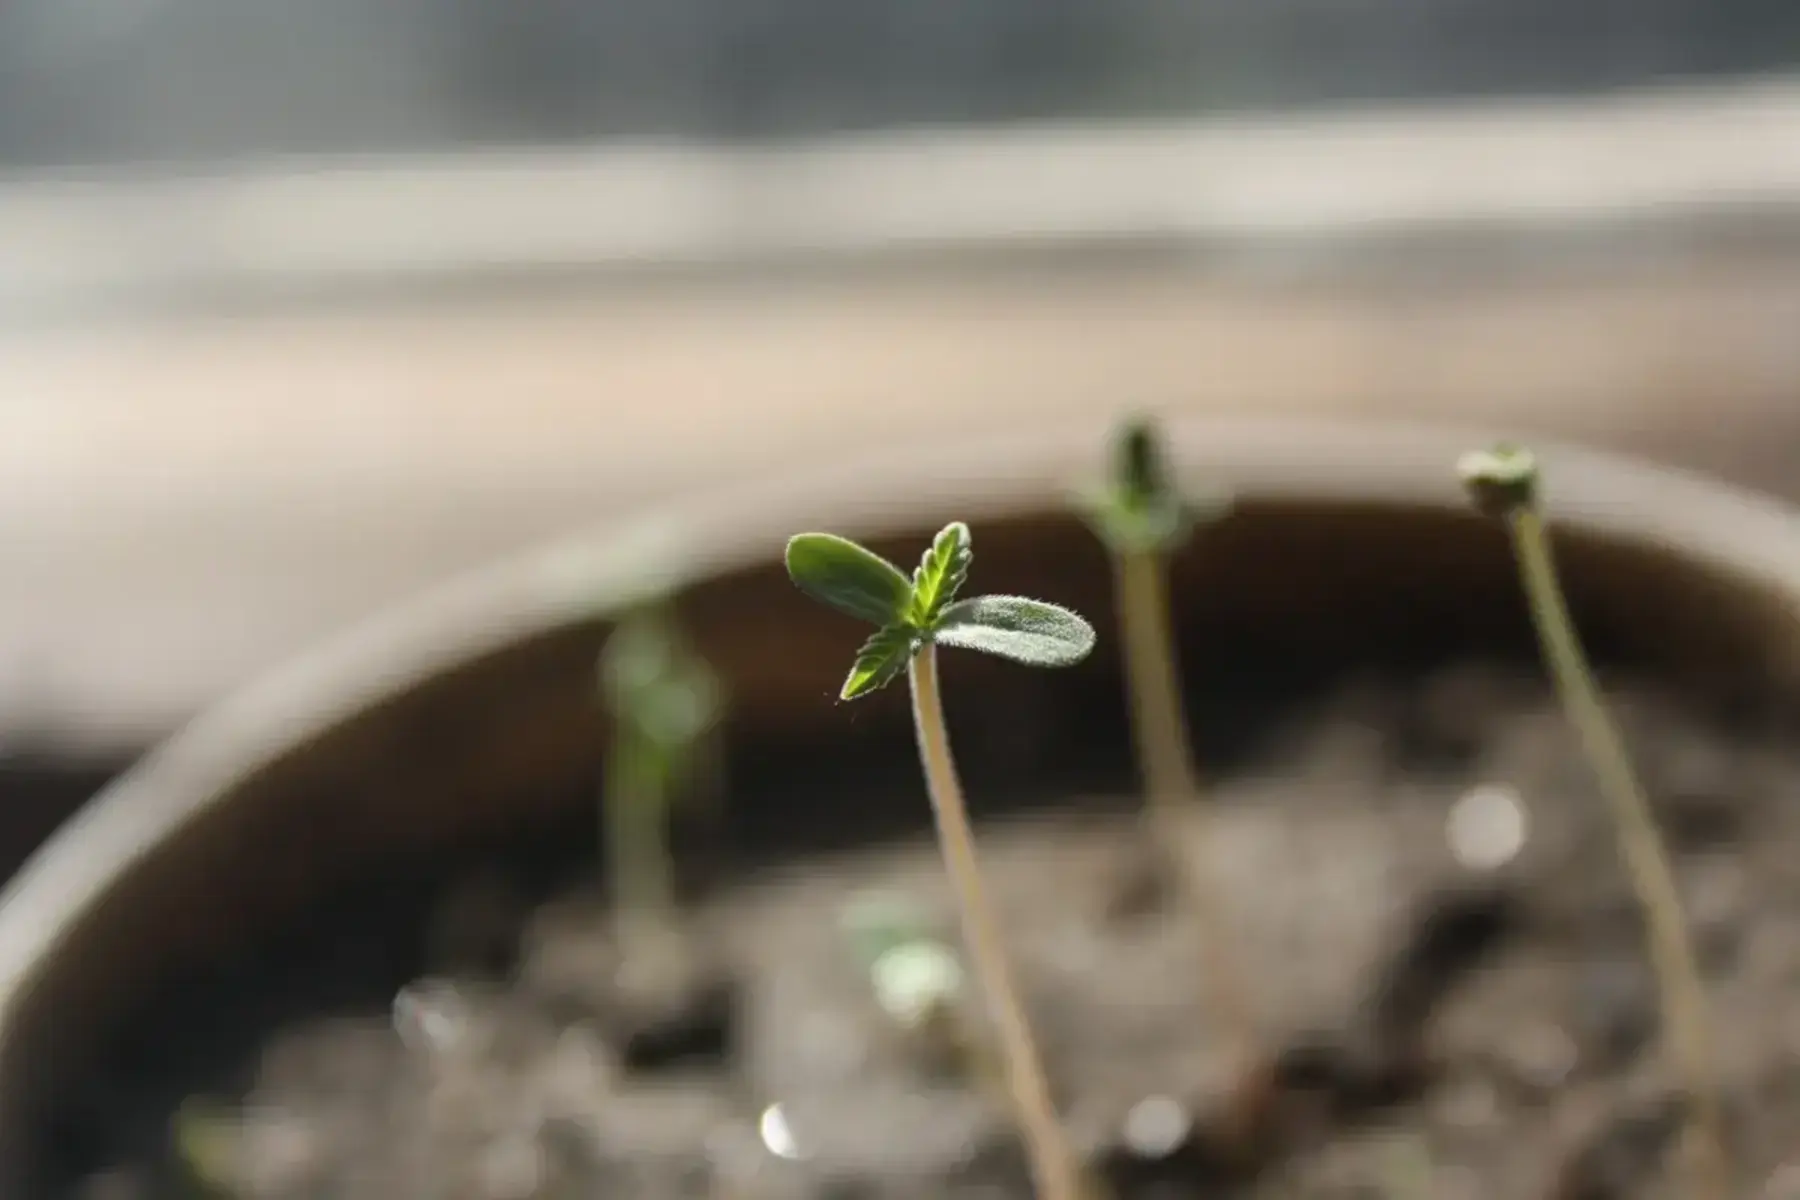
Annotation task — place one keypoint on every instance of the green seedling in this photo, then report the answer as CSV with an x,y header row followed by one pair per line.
x,y
913,617
1504,482
665,703
1141,516
206,1151
917,979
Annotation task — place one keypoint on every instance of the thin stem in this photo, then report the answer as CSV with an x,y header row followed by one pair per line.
x,y
1160,726
1671,950
1053,1168
1154,684
643,883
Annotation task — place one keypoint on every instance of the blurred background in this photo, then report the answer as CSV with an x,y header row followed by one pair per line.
x,y
305,306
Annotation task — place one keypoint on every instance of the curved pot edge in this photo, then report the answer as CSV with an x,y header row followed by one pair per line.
x,y
1736,532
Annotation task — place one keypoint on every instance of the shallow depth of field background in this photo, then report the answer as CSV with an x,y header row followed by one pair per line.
x,y
305,306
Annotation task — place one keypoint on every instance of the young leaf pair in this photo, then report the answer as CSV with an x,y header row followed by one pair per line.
x,y
910,613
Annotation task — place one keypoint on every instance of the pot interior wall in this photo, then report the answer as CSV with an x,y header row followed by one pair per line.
x,y
1274,602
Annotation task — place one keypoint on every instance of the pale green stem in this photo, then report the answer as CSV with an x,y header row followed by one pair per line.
x,y
1671,951
643,884
1160,726
1054,1170
1153,679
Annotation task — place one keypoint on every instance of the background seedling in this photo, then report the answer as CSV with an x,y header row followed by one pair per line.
x,y
1141,516
1504,482
912,618
665,703
917,979
206,1151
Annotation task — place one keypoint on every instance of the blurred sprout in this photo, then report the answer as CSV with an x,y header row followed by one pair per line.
x,y
206,1147
659,688
915,976
1504,482
875,924
917,980
1139,507
665,702
1142,517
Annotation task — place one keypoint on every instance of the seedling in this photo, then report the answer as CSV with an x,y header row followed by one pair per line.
x,y
1504,482
916,979
665,702
206,1151
1142,518
912,618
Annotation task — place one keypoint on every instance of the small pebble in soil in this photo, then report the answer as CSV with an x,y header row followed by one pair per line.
x,y
889,1130
1156,1126
576,1076
742,1167
1487,826
775,1133
433,1018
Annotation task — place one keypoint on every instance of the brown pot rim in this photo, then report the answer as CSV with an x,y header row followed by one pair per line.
x,y
1711,525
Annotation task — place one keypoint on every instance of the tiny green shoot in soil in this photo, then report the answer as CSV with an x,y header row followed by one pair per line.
x,y
665,702
206,1151
1505,482
912,618
916,979
1142,517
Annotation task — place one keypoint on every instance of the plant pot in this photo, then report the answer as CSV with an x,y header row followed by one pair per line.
x,y
468,718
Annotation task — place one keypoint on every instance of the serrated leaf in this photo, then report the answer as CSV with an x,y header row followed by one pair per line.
x,y
940,574
1015,627
839,573
881,658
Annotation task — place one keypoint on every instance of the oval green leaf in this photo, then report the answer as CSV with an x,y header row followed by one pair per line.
x,y
839,573
1014,627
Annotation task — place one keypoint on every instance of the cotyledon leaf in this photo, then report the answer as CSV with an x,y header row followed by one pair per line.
x,y
1017,628
850,578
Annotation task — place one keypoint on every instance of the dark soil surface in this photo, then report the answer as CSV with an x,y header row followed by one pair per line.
x,y
1452,1027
